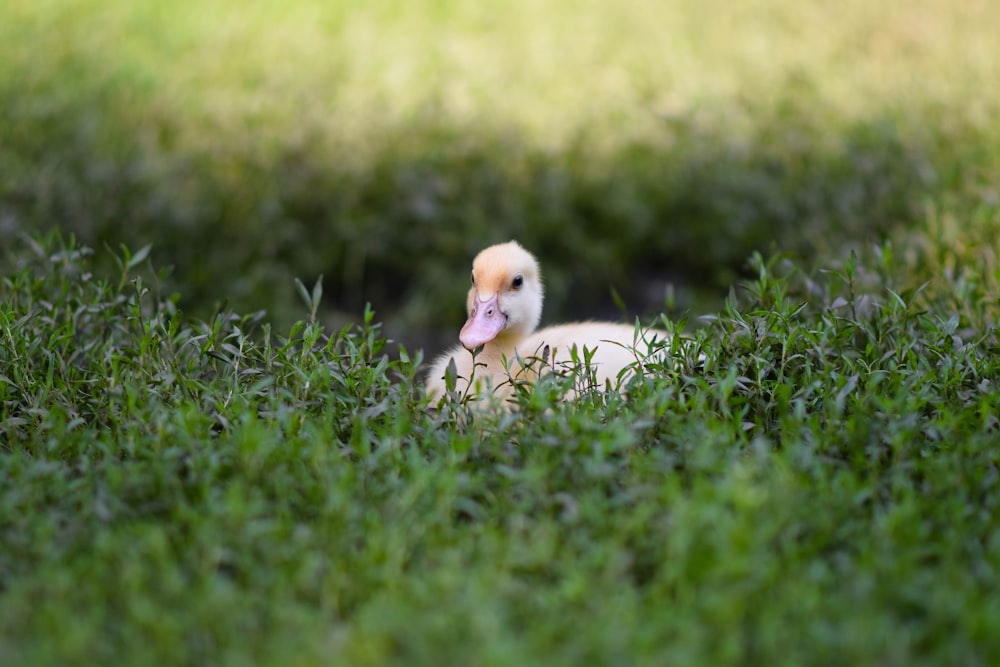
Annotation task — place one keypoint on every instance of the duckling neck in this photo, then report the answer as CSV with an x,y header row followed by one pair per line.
x,y
497,350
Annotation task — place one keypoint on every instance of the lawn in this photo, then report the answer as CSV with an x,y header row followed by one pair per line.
x,y
203,461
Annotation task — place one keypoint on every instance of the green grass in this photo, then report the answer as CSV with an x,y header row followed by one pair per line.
x,y
199,466
820,487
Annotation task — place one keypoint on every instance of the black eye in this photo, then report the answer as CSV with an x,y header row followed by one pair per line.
x,y
517,282
473,276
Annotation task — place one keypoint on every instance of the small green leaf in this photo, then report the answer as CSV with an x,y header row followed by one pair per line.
x,y
303,293
450,375
138,257
317,293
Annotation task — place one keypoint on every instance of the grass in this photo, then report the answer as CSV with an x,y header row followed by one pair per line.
x,y
203,461
820,487
382,146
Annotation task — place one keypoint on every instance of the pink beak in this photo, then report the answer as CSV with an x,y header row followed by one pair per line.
x,y
483,325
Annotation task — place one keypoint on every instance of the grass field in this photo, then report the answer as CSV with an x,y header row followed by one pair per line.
x,y
202,464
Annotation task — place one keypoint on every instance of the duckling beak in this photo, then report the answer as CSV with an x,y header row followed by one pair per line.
x,y
485,322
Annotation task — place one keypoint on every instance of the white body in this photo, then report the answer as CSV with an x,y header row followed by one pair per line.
x,y
614,348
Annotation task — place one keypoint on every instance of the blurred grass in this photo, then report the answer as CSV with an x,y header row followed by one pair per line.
x,y
631,145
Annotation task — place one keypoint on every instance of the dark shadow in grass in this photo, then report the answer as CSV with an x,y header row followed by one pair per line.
x,y
685,208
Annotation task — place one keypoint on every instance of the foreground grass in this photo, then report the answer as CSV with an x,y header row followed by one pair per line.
x,y
821,488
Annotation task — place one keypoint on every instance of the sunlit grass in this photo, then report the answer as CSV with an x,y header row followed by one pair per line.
x,y
547,70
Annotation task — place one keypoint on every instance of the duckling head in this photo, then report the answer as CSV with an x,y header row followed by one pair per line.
x,y
505,300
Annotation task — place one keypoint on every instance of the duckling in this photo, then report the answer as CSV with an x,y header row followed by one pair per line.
x,y
504,307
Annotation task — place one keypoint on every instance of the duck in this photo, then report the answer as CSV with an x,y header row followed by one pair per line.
x,y
501,345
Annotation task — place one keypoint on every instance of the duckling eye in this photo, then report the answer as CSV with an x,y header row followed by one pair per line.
x,y
517,282
473,277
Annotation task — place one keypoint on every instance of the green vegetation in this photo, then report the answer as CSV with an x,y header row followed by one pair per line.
x,y
822,487
813,479
382,144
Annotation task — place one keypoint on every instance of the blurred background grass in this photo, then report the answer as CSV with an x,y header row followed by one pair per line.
x,y
643,146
